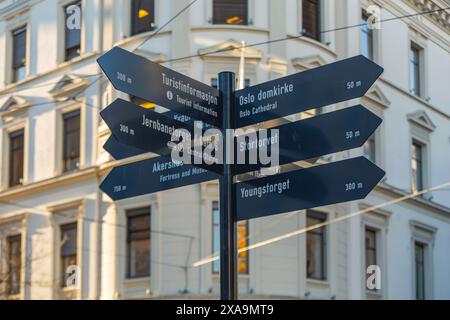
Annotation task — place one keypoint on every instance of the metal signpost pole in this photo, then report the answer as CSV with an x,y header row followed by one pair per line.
x,y
228,225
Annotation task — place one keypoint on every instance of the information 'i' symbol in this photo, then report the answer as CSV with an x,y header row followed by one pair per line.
x,y
169,95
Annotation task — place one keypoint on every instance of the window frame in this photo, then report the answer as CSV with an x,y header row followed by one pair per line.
x,y
14,78
66,117
16,133
319,215
246,22
377,221
320,23
415,144
132,31
61,32
60,110
21,123
65,48
9,263
16,225
370,35
426,235
64,227
129,214
65,213
418,70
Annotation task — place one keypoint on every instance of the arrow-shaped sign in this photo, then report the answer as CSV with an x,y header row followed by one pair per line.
x,y
330,84
142,78
313,187
314,137
150,176
148,131
120,151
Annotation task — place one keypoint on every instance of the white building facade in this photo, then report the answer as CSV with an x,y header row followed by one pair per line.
x,y
57,228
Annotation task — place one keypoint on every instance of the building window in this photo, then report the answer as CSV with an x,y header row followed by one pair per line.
x,y
14,244
415,70
71,140
230,12
417,167
420,270
316,246
16,156
312,19
242,241
19,61
68,246
366,37
142,16
371,248
72,47
369,149
138,243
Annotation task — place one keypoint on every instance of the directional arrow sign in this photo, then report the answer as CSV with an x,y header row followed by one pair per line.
x,y
119,150
314,137
146,130
332,83
142,78
307,188
150,176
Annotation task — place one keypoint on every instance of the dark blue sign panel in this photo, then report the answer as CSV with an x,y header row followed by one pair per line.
x,y
314,137
120,151
330,84
150,176
149,131
313,187
142,78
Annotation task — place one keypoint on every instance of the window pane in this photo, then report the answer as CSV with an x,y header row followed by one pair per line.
x,y
316,246
142,16
417,167
216,235
14,264
16,142
420,270
138,243
414,72
242,240
73,36
19,54
71,149
311,19
68,249
230,12
366,37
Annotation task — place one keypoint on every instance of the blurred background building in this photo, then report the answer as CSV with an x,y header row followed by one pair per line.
x,y
53,215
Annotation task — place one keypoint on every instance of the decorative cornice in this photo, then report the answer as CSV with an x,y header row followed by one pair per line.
x,y
422,119
442,18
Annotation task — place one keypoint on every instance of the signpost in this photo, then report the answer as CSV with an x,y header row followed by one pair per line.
x,y
142,78
332,83
148,130
150,176
136,130
313,187
314,137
